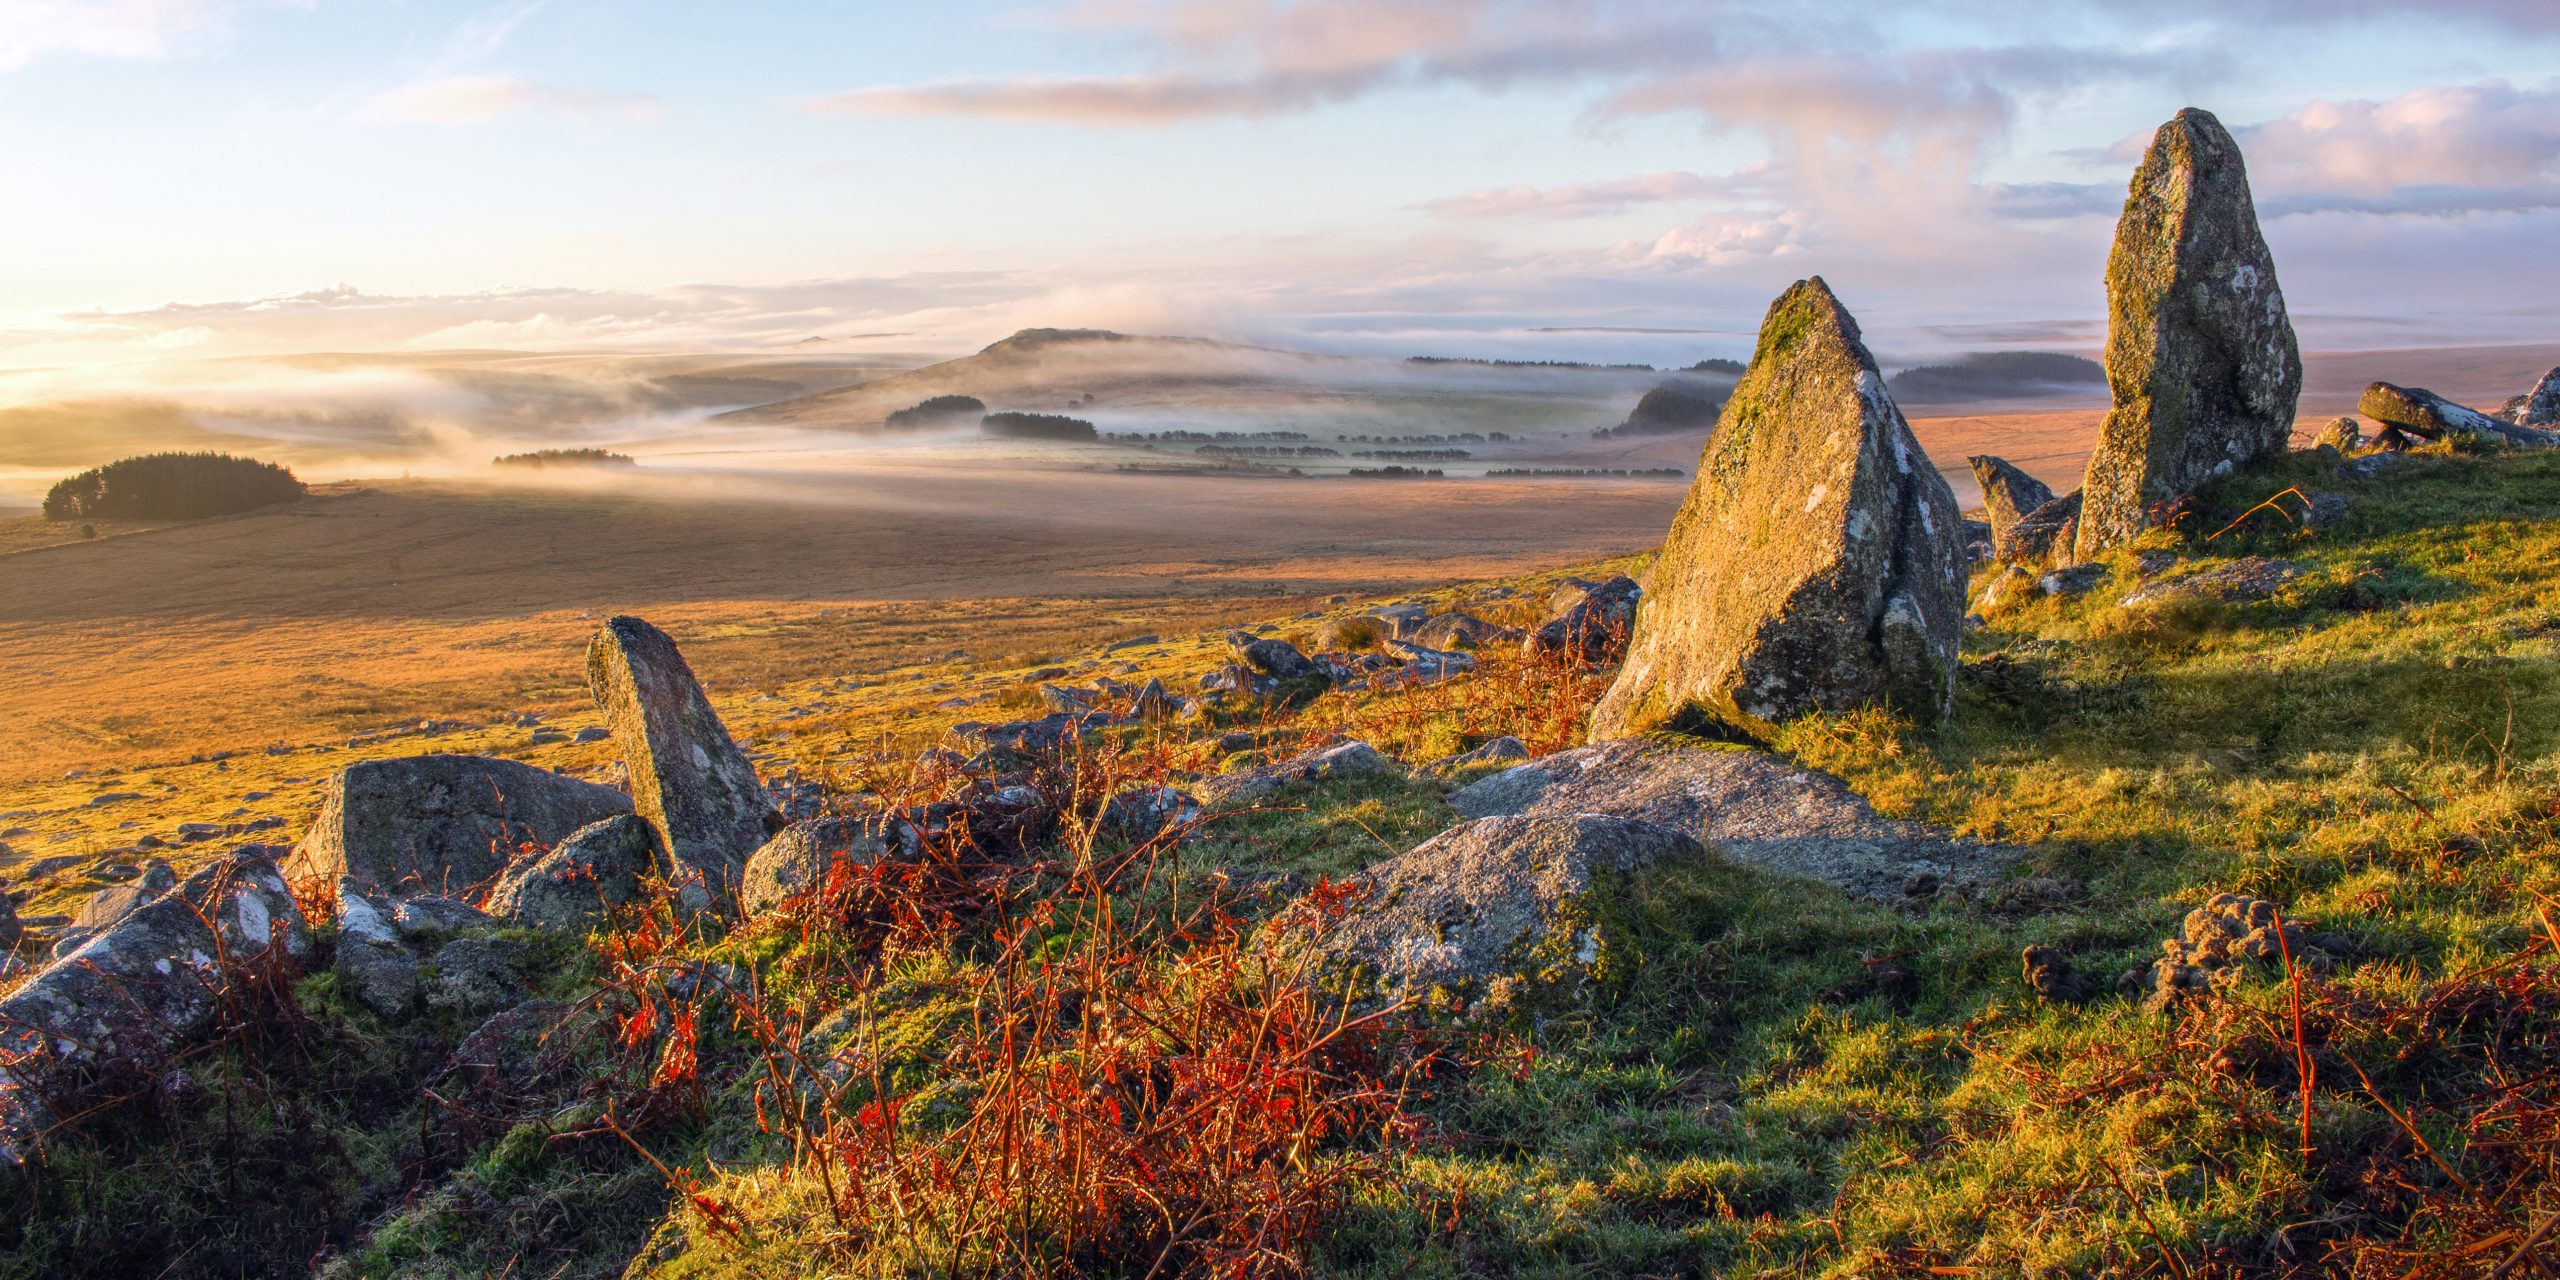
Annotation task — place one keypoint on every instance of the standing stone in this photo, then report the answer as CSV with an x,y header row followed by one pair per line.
x,y
1818,563
688,778
2200,352
2007,493
2539,407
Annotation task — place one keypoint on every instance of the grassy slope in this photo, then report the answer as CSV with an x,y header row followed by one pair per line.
x,y
1793,1083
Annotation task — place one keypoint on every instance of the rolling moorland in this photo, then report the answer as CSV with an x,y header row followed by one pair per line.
x,y
2155,880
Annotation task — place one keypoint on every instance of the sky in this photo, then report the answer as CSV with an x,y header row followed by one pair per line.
x,y
1621,179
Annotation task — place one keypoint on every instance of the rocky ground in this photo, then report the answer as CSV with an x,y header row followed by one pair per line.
x,y
2157,880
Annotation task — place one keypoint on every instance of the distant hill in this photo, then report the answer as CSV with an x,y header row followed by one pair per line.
x,y
1996,375
1046,368
1680,404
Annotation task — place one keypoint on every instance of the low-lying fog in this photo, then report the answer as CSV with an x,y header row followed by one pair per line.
x,y
1175,404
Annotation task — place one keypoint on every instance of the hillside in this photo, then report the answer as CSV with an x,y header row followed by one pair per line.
x,y
1051,368
1771,1075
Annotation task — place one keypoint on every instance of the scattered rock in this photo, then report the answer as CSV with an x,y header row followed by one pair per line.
x,y
1031,737
1461,631
437,824
578,881
1277,659
2539,407
2420,412
2200,350
1143,813
1153,704
1594,622
1490,909
2072,580
2341,434
372,960
1816,565
2004,585
592,733
689,781
1500,749
2008,494
2243,581
477,975
1251,786
2043,536
142,988
109,905
1753,807
800,860
1073,701
1425,663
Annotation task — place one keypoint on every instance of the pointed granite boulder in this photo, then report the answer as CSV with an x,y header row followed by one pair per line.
x,y
1818,564
2539,407
2200,351
2008,494
689,781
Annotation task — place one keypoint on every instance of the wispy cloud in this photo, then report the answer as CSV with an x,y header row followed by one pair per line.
x,y
478,99
30,29
1603,198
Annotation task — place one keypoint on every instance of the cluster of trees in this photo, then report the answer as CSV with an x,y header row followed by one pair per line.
x,y
938,411
1269,451
1037,426
1202,437
1392,473
1525,364
566,458
1414,455
171,486
1463,437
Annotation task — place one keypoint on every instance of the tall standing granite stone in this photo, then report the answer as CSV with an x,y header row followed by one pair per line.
x,y
689,781
1818,563
2200,351
2007,493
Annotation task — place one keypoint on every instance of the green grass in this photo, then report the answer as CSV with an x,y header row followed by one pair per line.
x,y
1766,1078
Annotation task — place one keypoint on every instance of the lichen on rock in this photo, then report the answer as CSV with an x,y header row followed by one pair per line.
x,y
1818,564
2201,354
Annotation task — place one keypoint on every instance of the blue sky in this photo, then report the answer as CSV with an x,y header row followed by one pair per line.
x,y
213,177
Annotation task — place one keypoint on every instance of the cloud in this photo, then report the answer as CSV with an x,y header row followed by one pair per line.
x,y
479,99
1251,59
140,29
2448,149
1602,198
1723,239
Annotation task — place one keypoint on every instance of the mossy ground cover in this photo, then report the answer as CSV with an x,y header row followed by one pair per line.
x,y
1768,1078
